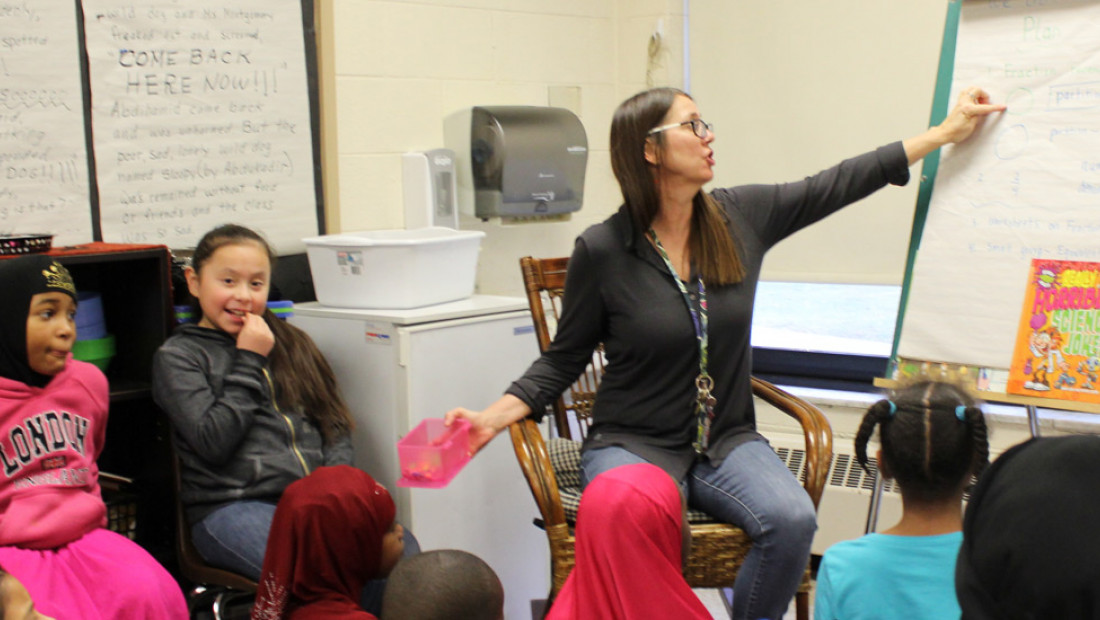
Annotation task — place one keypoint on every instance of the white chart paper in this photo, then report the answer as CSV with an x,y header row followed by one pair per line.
x,y
1027,185
200,113
43,155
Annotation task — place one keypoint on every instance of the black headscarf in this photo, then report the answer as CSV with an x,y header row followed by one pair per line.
x,y
1030,543
21,279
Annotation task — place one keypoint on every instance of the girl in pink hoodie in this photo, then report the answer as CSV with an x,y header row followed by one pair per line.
x,y
53,417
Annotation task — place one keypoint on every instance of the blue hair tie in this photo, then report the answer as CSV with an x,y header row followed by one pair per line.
x,y
960,413
893,407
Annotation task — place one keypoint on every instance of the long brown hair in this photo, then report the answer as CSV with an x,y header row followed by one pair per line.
x,y
304,381
712,247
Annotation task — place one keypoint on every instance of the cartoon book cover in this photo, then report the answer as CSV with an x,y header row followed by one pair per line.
x,y
1057,352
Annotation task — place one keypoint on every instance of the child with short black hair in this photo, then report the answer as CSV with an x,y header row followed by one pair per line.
x,y
933,441
441,585
1029,537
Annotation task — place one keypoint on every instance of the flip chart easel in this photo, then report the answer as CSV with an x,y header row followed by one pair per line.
x,y
1026,185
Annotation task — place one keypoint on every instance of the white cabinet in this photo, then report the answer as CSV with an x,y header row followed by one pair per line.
x,y
397,367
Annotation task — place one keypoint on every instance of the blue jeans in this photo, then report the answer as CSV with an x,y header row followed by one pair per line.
x,y
234,537
754,490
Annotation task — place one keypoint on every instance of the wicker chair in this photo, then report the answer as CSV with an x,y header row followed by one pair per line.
x,y
718,549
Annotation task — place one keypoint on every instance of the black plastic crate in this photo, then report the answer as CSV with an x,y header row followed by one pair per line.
x,y
122,504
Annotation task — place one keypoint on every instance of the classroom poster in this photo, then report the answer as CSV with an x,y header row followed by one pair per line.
x,y
44,185
1057,352
201,116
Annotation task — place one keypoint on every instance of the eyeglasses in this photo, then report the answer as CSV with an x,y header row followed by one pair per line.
x,y
698,125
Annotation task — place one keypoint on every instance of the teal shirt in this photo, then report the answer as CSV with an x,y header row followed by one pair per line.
x,y
884,577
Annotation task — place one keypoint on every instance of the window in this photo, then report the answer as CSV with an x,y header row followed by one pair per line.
x,y
836,336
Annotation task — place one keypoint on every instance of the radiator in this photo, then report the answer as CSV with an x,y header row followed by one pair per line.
x,y
842,513
846,500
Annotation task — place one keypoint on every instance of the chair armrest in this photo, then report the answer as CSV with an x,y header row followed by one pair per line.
x,y
113,482
816,430
534,460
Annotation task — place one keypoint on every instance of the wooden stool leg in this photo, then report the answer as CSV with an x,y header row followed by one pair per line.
x,y
802,605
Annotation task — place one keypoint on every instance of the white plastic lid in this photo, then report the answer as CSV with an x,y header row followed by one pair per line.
x,y
399,236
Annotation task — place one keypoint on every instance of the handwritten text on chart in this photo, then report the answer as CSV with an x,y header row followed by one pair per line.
x,y
43,158
205,118
1027,184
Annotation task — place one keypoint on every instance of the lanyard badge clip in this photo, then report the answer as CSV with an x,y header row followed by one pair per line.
x,y
705,407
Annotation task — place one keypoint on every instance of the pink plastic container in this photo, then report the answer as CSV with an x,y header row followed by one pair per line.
x,y
432,453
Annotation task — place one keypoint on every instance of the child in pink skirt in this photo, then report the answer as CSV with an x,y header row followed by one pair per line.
x,y
53,418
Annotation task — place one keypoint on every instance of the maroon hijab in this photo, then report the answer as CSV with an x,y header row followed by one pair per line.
x,y
325,544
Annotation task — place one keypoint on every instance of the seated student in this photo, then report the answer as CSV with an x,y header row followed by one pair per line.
x,y
253,404
1030,547
441,585
333,531
933,439
53,421
630,549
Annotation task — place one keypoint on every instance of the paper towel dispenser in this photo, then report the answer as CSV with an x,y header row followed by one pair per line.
x,y
516,161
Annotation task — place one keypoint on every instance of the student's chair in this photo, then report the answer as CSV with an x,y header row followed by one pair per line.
x,y
552,468
212,586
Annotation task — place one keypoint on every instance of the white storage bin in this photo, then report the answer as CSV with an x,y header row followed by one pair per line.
x,y
394,269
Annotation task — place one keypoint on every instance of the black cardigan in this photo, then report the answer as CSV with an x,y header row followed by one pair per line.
x,y
618,291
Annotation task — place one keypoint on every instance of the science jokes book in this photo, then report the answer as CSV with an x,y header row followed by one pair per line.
x,y
1057,352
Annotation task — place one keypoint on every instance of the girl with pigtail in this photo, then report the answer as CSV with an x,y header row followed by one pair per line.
x,y
933,442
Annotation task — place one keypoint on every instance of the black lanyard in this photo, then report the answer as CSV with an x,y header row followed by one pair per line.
x,y
704,402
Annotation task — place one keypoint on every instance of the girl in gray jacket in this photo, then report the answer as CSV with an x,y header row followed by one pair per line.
x,y
253,404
